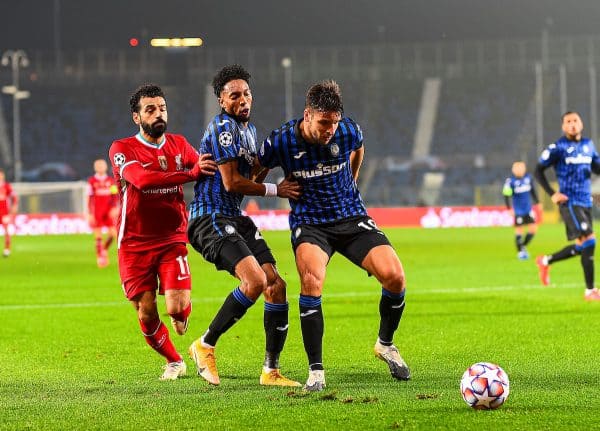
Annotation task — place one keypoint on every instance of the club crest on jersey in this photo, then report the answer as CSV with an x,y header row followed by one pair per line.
x,y
229,229
225,139
335,149
162,161
178,163
119,159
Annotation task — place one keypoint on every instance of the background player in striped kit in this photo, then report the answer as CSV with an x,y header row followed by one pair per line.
x,y
521,189
103,208
150,168
323,151
573,158
231,241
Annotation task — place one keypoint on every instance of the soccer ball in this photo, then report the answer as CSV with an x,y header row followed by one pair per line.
x,y
484,386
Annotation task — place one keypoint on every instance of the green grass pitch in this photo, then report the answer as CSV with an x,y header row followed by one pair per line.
x,y
72,356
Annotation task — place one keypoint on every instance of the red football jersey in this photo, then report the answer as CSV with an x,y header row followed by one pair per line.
x,y
102,192
153,212
6,195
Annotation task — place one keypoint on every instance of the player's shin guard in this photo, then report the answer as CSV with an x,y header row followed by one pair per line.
x,y
528,238
313,326
587,261
391,307
235,306
276,329
98,246
566,253
157,337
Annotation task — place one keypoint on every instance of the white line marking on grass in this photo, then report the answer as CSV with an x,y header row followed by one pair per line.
x,y
366,293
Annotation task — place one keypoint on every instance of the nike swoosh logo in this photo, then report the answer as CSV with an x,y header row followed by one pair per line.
x,y
282,328
185,277
222,123
145,165
300,154
398,306
308,313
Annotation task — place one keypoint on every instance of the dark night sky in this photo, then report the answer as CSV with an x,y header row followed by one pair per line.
x,y
110,23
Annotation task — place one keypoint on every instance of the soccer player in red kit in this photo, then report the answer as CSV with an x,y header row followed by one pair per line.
x,y
103,208
8,208
150,169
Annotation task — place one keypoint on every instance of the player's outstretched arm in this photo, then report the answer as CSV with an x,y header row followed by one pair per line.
x,y
142,178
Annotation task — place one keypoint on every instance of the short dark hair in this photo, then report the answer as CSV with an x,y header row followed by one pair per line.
x,y
325,96
562,118
146,90
229,73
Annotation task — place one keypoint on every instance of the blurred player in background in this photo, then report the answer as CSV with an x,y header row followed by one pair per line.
x,y
573,158
8,208
520,187
231,241
323,151
150,168
103,208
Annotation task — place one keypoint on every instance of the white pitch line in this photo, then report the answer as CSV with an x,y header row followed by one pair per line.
x,y
365,293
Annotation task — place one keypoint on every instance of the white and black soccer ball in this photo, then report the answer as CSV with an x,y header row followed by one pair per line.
x,y
484,386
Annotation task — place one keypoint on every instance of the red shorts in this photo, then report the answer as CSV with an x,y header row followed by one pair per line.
x,y
163,268
104,218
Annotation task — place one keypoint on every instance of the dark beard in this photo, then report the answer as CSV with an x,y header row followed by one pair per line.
x,y
156,129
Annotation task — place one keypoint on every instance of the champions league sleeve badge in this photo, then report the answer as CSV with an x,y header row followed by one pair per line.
x,y
119,159
225,139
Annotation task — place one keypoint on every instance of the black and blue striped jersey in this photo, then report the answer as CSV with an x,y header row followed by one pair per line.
x,y
521,189
329,192
573,161
226,140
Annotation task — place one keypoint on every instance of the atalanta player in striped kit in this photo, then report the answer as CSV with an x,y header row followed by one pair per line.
x,y
231,241
520,188
323,151
573,158
151,168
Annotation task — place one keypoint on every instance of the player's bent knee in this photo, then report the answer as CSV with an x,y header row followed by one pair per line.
x,y
276,291
253,286
394,281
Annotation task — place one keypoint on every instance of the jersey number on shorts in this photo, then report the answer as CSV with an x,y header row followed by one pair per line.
x,y
369,225
184,267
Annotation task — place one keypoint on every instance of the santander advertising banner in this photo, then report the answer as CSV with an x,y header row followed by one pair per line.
x,y
425,217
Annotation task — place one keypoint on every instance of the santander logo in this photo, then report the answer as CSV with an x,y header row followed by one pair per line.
x,y
470,217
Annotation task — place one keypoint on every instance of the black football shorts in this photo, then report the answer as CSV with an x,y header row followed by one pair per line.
x,y
225,241
352,237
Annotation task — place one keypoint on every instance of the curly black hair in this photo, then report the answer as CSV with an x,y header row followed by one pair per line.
x,y
229,73
146,90
325,96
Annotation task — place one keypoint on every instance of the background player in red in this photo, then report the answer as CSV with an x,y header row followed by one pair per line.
x,y
8,208
103,208
151,168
